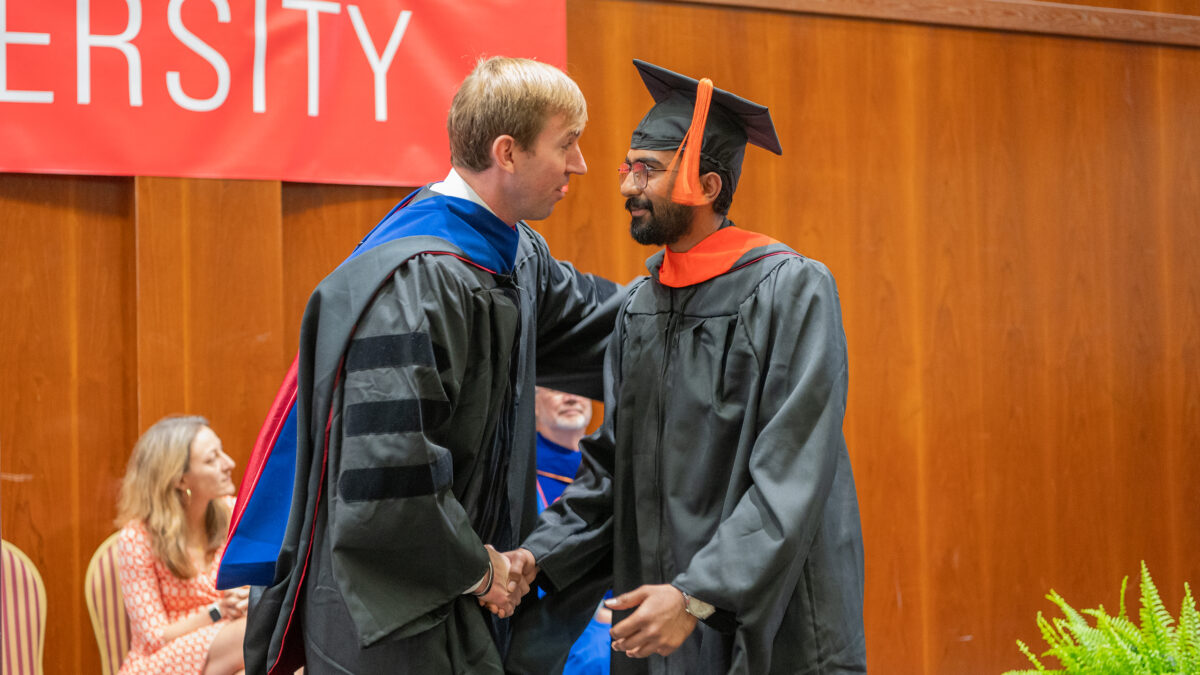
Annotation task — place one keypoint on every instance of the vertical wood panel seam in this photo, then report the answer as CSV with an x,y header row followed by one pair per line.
x,y
1111,403
74,256
138,309
911,210
185,268
1172,438
281,298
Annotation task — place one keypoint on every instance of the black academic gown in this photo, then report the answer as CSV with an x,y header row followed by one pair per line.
x,y
416,376
721,468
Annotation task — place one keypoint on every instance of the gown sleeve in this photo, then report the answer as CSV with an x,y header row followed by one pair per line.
x,y
403,545
573,547
575,315
757,551
576,531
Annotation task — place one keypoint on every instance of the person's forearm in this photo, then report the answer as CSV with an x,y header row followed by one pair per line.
x,y
187,625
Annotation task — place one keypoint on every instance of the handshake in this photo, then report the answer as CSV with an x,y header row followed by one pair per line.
x,y
511,575
659,622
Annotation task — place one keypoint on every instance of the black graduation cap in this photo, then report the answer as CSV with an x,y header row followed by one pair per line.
x,y
732,121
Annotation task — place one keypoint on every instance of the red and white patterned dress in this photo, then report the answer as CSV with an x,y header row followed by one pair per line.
x,y
155,598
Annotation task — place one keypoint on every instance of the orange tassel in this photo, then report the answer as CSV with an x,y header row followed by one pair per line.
x,y
687,185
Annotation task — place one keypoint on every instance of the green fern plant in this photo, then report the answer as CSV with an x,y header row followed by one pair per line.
x,y
1115,644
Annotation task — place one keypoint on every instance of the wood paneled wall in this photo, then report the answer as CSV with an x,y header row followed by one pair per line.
x,y
1012,220
68,362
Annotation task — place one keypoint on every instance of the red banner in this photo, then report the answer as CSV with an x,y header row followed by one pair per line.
x,y
301,90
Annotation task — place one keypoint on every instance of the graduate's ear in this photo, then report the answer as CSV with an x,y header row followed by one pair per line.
x,y
711,183
503,147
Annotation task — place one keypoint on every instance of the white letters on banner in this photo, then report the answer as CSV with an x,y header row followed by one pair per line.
x,y
336,91
379,63
313,8
17,38
260,56
174,87
86,41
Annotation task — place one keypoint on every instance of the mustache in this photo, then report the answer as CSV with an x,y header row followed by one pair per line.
x,y
639,203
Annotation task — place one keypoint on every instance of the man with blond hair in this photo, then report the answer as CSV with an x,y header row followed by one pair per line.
x,y
416,392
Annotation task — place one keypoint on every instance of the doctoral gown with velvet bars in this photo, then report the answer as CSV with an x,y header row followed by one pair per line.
x,y
415,448
721,468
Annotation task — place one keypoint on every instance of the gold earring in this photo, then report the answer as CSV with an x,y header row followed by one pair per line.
x,y
189,493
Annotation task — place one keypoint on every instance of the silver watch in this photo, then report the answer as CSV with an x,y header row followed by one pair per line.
x,y
696,607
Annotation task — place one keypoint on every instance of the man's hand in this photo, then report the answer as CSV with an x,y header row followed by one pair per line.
x,y
499,599
233,602
519,575
522,569
658,625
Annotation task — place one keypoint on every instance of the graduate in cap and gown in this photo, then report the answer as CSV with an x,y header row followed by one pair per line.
x,y
719,485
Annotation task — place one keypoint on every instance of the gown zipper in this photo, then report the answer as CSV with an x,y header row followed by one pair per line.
x,y
668,339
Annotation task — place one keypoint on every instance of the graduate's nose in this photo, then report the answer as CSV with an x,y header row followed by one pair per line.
x,y
629,185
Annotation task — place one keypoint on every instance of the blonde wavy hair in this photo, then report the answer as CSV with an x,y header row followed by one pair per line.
x,y
149,493
505,95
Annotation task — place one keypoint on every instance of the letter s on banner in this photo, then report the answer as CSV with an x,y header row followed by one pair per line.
x,y
174,87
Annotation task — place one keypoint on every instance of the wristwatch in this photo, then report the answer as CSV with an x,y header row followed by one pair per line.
x,y
697,607
214,612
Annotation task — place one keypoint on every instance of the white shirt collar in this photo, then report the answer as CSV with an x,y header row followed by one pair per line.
x,y
454,186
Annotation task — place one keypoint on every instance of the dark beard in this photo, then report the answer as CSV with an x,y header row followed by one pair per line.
x,y
663,224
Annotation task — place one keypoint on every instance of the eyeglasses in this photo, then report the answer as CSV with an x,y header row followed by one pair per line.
x,y
640,173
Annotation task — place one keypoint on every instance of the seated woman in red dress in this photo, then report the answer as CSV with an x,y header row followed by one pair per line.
x,y
174,515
